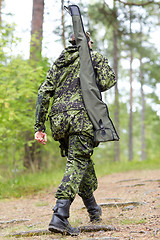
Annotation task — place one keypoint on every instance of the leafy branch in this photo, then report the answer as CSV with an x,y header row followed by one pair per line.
x,y
138,4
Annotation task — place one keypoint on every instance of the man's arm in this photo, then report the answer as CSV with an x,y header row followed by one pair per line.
x,y
45,92
104,73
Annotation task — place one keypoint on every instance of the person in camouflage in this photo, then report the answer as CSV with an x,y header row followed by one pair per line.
x,y
71,126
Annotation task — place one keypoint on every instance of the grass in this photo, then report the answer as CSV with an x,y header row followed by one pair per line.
x,y
104,167
29,183
32,183
133,221
41,204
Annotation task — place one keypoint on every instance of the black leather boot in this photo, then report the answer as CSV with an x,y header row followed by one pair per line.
x,y
93,209
59,222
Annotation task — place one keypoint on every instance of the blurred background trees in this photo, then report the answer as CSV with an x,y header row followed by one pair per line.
x,y
122,32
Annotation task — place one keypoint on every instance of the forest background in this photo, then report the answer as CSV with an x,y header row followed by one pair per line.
x,y
122,31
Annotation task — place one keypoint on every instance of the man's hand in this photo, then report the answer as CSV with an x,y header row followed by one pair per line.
x,y
41,137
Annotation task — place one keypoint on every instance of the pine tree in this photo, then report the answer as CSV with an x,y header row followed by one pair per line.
x,y
63,24
115,57
32,156
0,12
131,94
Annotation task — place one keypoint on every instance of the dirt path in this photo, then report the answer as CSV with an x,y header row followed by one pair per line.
x,y
130,203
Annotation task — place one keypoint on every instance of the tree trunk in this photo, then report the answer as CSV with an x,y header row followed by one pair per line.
x,y
63,24
36,29
116,113
0,12
131,96
131,111
143,130
32,157
143,143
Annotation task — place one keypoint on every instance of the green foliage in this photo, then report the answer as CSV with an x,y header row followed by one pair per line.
x,y
7,40
19,82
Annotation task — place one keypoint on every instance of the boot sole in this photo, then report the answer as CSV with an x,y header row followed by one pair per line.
x,y
63,231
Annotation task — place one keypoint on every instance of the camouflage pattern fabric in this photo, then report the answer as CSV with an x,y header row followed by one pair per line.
x,y
63,85
79,176
70,122
75,132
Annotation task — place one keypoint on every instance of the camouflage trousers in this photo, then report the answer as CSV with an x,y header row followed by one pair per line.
x,y
76,132
79,176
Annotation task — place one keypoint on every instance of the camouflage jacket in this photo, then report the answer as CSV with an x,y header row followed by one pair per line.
x,y
63,84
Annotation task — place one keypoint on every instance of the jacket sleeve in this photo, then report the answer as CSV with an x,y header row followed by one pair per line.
x,y
104,74
45,92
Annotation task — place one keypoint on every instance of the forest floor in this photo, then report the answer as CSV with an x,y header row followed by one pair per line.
x,y
130,203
